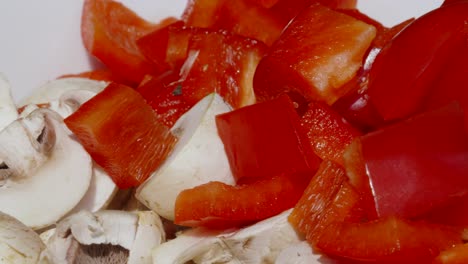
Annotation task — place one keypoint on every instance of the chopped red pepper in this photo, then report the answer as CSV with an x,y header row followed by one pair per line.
x,y
218,205
388,240
327,131
109,31
319,51
327,199
122,134
419,164
265,139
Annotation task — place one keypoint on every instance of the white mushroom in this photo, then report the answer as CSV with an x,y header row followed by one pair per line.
x,y
197,158
53,90
259,243
19,244
100,192
301,253
67,96
47,172
106,237
192,244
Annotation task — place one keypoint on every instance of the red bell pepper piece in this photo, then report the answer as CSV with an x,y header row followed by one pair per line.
x,y
109,31
404,70
455,255
122,134
327,131
319,51
452,82
265,139
240,17
163,93
215,61
388,240
419,164
218,205
328,198
355,106
164,47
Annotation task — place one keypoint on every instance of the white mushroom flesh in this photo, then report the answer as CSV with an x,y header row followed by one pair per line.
x,y
301,253
197,158
149,234
19,244
74,93
259,243
134,232
53,90
99,194
49,175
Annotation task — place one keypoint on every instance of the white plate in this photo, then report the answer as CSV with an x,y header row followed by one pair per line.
x,y
40,40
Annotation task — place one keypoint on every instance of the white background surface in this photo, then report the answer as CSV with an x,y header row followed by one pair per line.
x,y
41,40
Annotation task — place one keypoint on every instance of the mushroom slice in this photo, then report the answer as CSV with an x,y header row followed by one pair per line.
x,y
259,243
53,90
301,253
18,243
194,244
106,237
102,189
45,175
197,158
8,111
100,192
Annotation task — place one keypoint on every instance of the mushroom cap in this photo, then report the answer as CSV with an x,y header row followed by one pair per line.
x,y
18,243
52,184
198,157
53,90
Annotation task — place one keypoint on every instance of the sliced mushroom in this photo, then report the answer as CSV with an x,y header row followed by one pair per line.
x,y
192,244
259,243
197,158
18,243
47,172
100,192
53,90
301,253
102,189
105,237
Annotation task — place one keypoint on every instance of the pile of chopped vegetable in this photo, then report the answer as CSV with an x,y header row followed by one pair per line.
x,y
249,131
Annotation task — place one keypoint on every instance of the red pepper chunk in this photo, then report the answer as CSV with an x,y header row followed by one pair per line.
x,y
317,53
388,240
455,255
265,139
403,73
328,198
328,132
419,164
218,205
122,134
110,31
